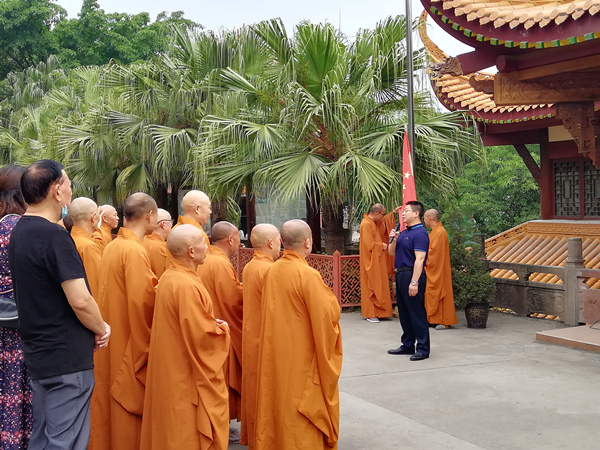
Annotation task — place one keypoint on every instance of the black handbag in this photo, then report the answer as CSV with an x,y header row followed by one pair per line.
x,y
9,317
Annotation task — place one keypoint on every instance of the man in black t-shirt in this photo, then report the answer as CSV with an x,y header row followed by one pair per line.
x,y
60,322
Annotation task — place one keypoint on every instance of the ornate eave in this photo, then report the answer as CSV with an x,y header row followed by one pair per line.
x,y
534,24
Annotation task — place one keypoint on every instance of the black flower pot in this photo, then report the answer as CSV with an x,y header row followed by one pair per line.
x,y
477,314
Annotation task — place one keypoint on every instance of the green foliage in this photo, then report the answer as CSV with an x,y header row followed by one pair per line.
x,y
471,282
26,36
32,30
500,195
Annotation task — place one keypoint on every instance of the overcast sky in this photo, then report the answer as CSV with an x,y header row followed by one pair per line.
x,y
350,14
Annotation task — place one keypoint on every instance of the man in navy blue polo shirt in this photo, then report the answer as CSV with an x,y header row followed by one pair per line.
x,y
410,248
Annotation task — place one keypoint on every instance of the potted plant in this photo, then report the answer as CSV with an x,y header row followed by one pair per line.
x,y
471,282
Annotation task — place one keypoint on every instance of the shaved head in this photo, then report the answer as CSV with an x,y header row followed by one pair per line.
x,y
137,206
265,237
109,216
294,233
261,234
196,205
432,214
378,208
163,214
82,209
222,230
182,238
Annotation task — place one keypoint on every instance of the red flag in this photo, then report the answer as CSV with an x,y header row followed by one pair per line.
x,y
409,190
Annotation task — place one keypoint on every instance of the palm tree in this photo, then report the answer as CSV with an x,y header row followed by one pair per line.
x,y
326,121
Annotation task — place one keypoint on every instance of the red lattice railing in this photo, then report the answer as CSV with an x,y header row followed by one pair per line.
x,y
340,273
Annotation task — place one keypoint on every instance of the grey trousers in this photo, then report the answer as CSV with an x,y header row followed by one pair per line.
x,y
61,411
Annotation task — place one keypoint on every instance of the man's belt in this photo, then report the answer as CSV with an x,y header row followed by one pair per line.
x,y
403,269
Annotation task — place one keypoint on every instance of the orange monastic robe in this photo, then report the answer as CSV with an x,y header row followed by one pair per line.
x,y
439,298
385,226
221,282
103,236
127,290
375,299
157,251
254,278
91,255
186,404
300,359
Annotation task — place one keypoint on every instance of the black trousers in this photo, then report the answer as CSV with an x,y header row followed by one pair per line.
x,y
413,316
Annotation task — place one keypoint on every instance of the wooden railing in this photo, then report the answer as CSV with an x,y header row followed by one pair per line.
x,y
340,272
572,300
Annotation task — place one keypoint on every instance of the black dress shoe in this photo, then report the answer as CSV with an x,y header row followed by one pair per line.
x,y
418,357
401,351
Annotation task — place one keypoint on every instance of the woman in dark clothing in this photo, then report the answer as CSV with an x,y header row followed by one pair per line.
x,y
15,390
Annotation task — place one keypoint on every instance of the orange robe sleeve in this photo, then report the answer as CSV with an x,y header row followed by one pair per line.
x,y
439,298
374,281
254,277
157,251
91,256
186,402
300,359
220,279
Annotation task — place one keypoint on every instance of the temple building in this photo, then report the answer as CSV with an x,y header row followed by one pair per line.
x,y
546,91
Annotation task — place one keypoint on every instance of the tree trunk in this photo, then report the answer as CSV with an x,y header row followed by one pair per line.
x,y
219,210
173,203
313,218
162,197
333,217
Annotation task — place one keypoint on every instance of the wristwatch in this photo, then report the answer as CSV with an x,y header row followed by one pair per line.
x,y
414,283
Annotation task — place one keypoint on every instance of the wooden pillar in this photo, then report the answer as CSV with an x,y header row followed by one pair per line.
x,y
337,276
574,263
546,181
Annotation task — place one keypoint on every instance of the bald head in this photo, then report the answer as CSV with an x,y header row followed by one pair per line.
x,y
137,206
196,205
265,237
261,234
82,209
294,234
109,216
164,223
378,208
431,218
222,230
182,238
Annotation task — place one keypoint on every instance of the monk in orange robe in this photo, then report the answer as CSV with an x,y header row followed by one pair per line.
x,y
84,216
221,282
266,242
375,298
109,220
196,211
127,290
439,298
156,244
300,354
186,405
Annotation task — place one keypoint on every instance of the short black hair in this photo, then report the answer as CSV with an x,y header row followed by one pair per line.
x,y
417,207
37,179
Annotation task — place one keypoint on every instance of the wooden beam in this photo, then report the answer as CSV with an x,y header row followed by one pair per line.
x,y
530,163
508,91
580,64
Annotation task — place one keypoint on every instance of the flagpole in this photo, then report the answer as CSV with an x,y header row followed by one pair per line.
x,y
409,79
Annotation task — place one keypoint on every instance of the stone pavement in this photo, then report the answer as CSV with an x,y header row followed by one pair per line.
x,y
495,388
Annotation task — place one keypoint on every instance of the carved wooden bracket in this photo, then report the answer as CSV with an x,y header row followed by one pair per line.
x,y
482,83
450,65
579,120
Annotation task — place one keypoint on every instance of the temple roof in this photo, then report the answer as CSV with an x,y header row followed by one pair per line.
x,y
545,243
457,93
517,23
